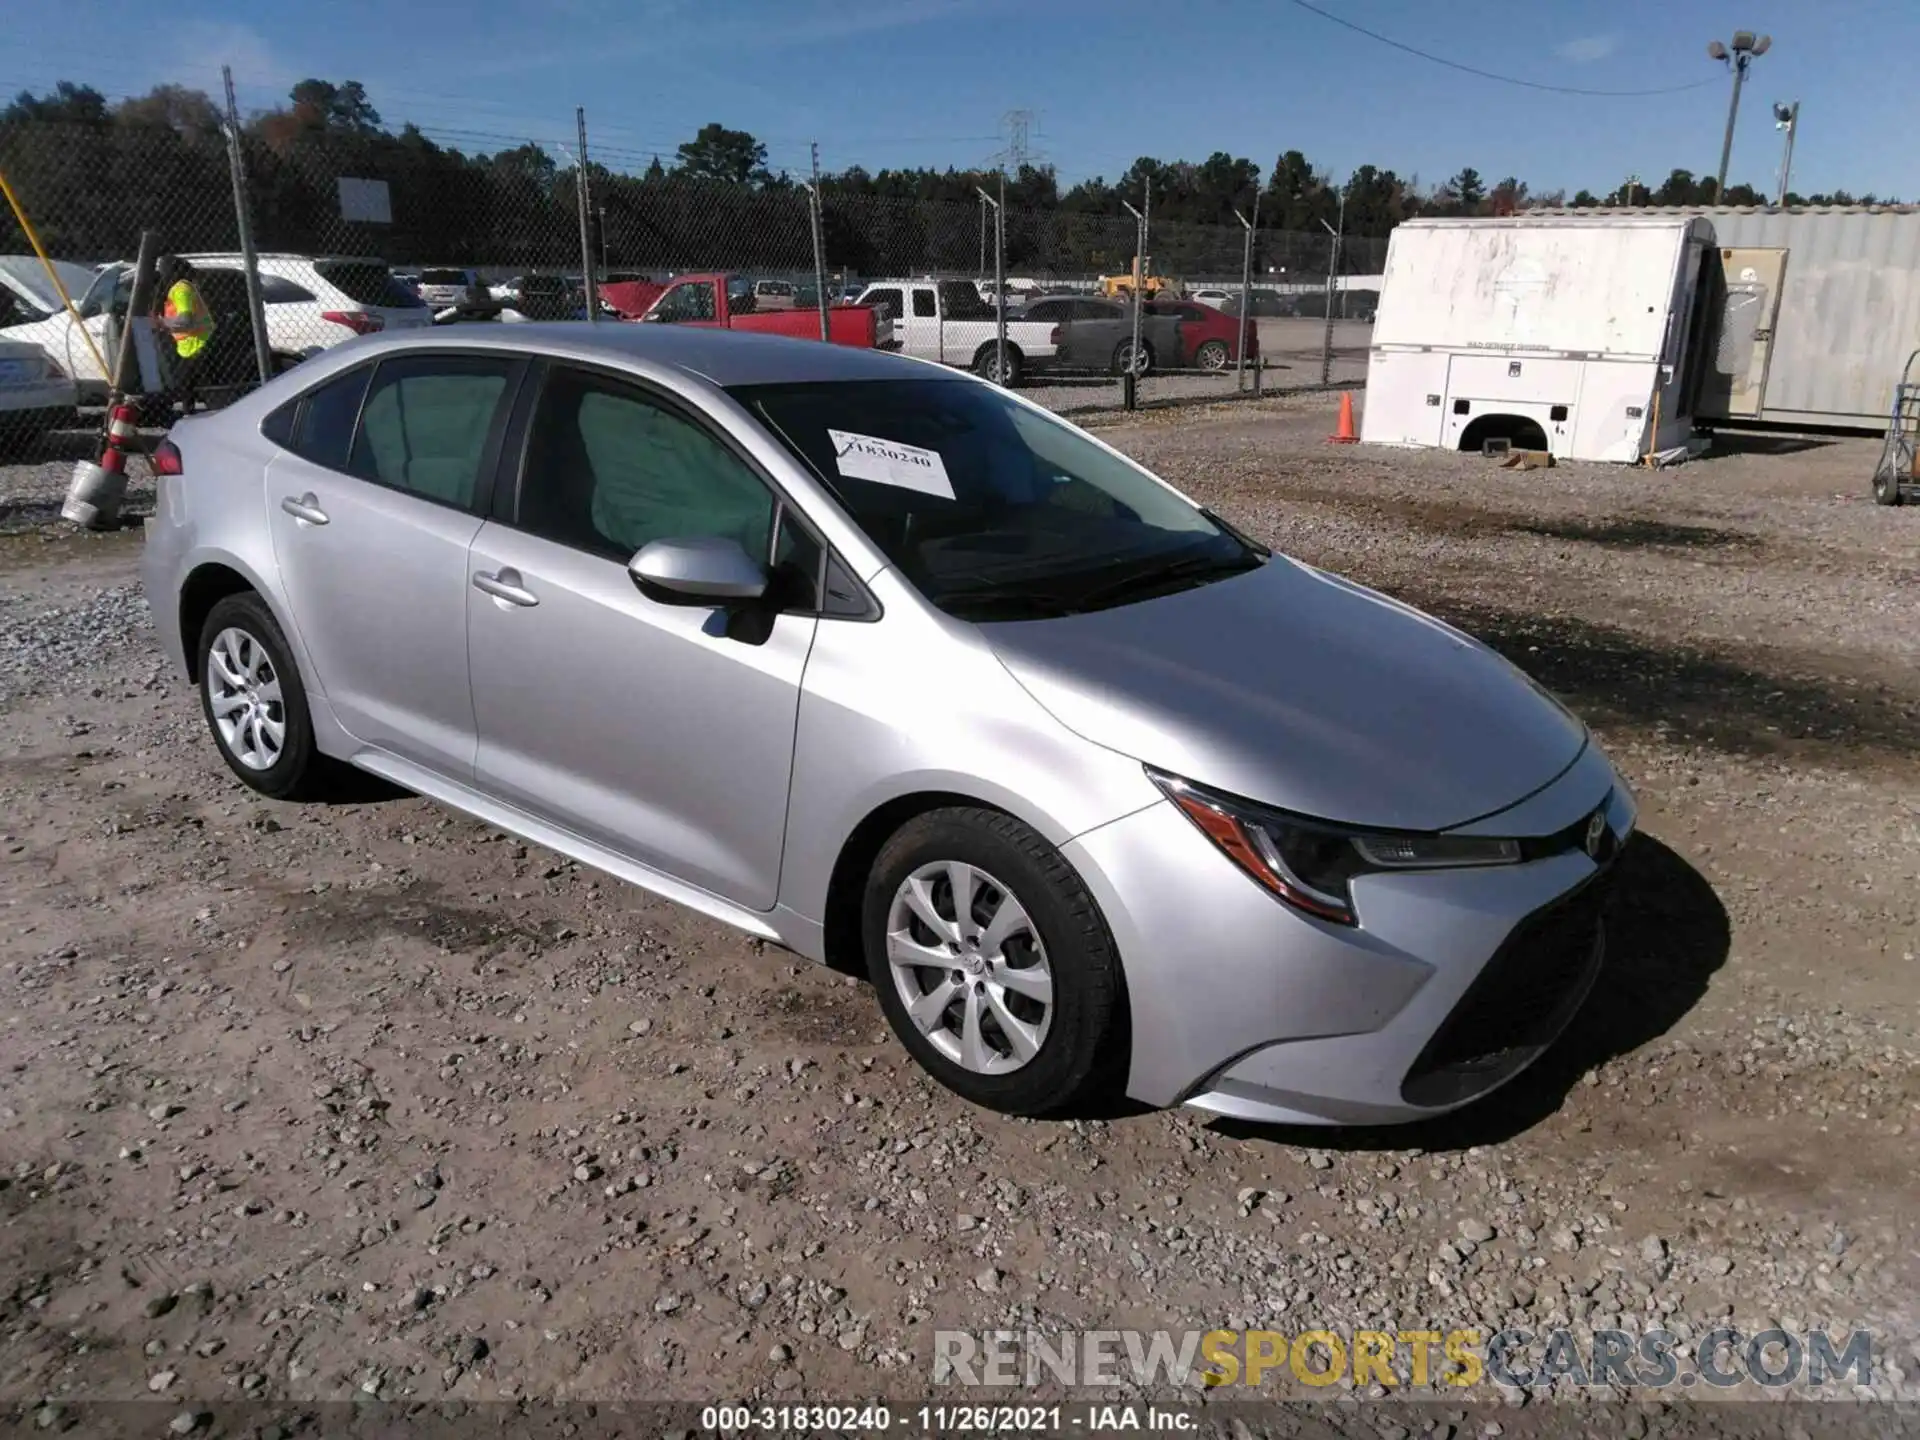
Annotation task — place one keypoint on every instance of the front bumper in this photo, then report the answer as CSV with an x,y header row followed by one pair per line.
x,y
1453,982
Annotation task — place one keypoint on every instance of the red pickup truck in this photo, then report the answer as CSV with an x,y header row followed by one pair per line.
x,y
719,300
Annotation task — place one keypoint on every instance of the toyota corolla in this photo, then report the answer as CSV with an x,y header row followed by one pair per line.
x,y
889,666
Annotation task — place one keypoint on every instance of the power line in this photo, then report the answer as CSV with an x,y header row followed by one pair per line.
x,y
1488,74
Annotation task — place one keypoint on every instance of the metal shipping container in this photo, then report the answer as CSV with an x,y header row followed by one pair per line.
x,y
1822,305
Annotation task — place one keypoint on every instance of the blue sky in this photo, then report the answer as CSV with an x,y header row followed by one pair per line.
x,y
908,82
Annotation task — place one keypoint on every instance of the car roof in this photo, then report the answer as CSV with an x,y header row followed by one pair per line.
x,y
724,357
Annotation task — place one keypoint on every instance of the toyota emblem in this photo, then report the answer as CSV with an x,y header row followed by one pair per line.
x,y
1596,833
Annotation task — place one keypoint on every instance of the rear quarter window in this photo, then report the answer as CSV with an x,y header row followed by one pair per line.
x,y
277,291
367,282
324,431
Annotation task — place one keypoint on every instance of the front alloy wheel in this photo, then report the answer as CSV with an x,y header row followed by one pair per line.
x,y
969,967
994,965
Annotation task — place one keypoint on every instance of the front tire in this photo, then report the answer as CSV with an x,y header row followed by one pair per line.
x,y
993,963
255,704
1213,355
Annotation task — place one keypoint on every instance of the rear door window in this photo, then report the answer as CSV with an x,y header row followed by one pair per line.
x,y
427,421
889,298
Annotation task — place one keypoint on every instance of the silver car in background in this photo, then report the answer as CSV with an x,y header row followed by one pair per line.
x,y
889,666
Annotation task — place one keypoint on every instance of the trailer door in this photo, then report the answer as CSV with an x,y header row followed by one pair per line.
x,y
1736,384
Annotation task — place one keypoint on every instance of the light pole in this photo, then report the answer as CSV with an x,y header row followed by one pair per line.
x,y
1246,288
1737,55
1786,116
1130,381
1333,268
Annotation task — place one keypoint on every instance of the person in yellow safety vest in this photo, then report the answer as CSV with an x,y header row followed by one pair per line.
x,y
186,319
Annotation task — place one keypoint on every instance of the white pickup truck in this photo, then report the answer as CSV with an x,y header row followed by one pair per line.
x,y
946,320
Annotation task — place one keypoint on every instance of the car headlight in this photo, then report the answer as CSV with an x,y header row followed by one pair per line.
x,y
1310,864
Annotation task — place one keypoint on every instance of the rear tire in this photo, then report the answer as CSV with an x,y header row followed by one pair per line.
x,y
255,703
1123,353
986,369
1012,1001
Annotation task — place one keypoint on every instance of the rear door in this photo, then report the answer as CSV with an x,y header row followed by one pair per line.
x,y
1736,381
371,510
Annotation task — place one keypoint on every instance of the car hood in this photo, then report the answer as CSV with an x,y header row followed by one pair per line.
x,y
1304,691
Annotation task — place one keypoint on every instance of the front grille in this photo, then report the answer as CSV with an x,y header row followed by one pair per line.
x,y
1518,1003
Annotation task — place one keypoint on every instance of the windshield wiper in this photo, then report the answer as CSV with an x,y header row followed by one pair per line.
x,y
1033,604
1173,572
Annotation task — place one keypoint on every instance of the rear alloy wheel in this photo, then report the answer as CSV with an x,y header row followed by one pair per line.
x,y
254,701
990,364
992,962
1213,355
1125,358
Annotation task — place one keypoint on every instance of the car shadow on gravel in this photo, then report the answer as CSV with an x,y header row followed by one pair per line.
x,y
1616,679
1667,933
1630,533
1728,443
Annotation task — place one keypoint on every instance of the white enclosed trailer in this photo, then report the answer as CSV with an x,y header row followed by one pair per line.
x,y
1582,337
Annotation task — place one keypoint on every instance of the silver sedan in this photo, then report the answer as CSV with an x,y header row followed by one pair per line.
x,y
886,665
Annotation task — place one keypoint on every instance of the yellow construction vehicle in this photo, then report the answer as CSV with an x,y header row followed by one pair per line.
x,y
1142,280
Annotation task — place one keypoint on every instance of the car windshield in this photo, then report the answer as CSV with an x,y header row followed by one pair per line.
x,y
992,509
443,277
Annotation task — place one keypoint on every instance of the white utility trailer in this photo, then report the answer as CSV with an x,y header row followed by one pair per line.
x,y
1592,339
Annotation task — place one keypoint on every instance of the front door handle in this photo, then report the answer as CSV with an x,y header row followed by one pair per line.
x,y
505,586
306,509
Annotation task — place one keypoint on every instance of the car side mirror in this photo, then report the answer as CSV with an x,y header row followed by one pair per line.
x,y
702,570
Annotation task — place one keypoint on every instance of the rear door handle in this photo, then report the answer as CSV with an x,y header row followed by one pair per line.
x,y
306,509
505,586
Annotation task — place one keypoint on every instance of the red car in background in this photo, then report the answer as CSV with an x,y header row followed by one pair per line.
x,y
1209,338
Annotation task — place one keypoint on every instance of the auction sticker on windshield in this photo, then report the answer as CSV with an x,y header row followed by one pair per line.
x,y
887,462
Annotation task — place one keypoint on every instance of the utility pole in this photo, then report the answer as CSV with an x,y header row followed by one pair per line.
x,y
1736,55
1019,125
587,284
249,262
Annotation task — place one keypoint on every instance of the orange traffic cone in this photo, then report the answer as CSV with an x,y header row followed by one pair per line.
x,y
1344,434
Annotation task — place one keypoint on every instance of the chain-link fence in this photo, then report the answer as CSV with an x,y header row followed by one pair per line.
x,y
357,229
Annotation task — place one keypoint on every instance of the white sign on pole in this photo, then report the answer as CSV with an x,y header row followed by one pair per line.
x,y
365,201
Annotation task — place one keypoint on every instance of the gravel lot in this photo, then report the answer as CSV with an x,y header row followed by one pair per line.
x,y
369,1100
